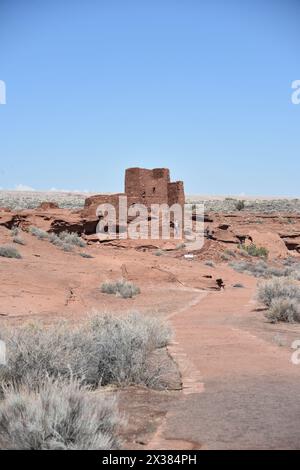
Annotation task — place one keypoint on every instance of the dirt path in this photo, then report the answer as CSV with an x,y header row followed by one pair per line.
x,y
240,390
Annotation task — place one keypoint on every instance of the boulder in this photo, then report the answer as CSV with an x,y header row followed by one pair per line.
x,y
271,241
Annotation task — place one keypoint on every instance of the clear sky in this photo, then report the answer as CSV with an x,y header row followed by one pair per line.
x,y
201,87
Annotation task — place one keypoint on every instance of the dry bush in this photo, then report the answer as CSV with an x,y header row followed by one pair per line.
x,y
9,252
18,240
58,416
39,233
280,288
158,252
262,269
72,239
86,255
210,263
56,241
121,288
14,231
105,350
284,309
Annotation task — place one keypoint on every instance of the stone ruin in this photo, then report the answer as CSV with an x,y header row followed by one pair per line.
x,y
142,186
148,187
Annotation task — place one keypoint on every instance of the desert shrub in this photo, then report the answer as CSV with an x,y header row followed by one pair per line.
x,y
15,231
254,250
258,269
230,253
262,269
18,240
122,288
57,416
210,263
284,309
180,246
85,255
39,233
56,241
9,252
104,350
280,288
243,253
158,253
72,239
239,205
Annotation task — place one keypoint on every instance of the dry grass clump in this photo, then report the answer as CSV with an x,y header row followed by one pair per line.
x,y
38,233
285,310
104,350
58,416
262,269
72,239
210,263
19,241
121,288
56,241
66,241
9,252
282,297
86,255
277,288
14,231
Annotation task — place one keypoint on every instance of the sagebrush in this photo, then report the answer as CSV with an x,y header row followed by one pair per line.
x,y
282,297
122,288
58,415
9,252
106,349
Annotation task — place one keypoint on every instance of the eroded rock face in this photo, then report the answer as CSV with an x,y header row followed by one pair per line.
x,y
225,236
292,243
271,241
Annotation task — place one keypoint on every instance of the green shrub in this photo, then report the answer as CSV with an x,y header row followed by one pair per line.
x,y
239,205
254,250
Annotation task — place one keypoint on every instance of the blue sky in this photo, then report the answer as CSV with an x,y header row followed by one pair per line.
x,y
201,87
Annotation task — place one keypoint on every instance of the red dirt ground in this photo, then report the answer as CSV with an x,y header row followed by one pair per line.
x,y
240,389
